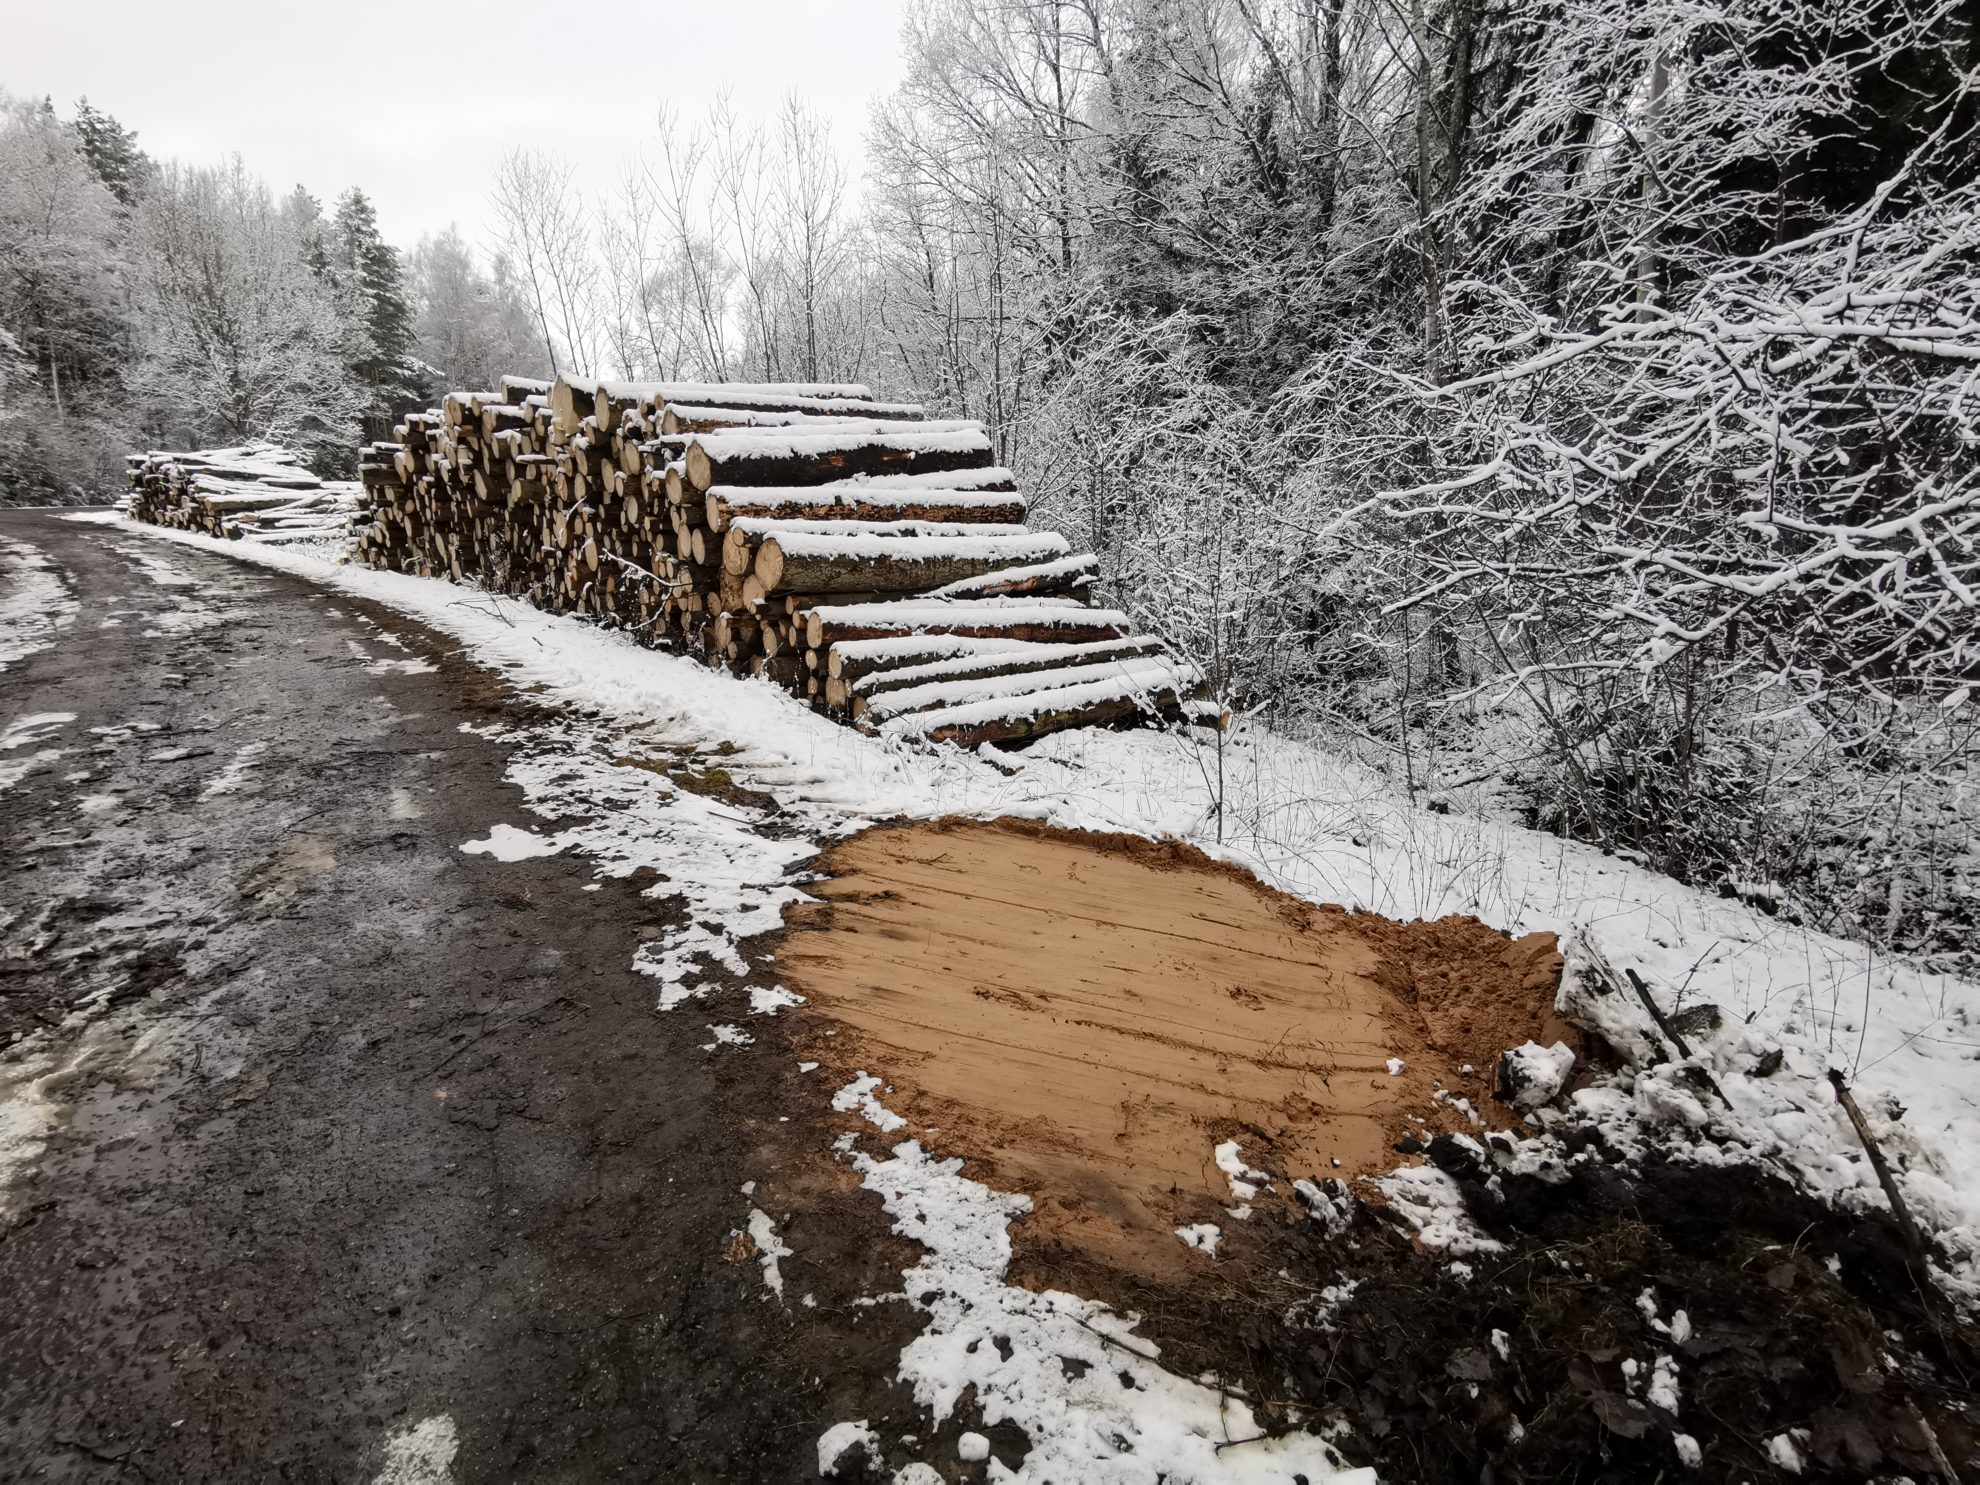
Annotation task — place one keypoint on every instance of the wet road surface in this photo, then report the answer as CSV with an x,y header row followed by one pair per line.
x,y
347,1130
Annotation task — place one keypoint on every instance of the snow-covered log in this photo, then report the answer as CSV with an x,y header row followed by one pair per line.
x,y
1147,673
1024,713
782,458
251,489
687,417
905,688
862,500
1060,577
791,561
1045,621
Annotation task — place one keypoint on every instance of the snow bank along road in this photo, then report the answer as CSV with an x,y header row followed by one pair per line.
x,y
326,1149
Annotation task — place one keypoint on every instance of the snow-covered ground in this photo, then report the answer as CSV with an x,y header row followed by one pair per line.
x,y
1306,822
35,604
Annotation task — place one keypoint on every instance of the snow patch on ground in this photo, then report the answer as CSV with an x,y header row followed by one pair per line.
x,y
1202,1236
231,777
32,1078
422,1454
507,843
35,603
33,728
858,1095
768,1000
26,732
706,854
1245,1182
147,561
763,1232
1122,1417
13,770
188,614
840,1440
27,1117
408,666
1433,1204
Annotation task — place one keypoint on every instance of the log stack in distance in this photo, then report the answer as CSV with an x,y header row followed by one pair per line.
x,y
258,490
866,557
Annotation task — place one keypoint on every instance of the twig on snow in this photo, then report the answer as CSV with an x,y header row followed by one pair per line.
x,y
1914,1238
1672,1034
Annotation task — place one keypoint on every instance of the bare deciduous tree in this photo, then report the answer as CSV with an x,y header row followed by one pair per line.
x,y
544,229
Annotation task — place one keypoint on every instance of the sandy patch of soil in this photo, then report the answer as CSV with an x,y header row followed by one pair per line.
x,y
1090,1015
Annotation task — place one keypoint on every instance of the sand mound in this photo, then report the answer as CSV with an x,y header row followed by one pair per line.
x,y
1089,1015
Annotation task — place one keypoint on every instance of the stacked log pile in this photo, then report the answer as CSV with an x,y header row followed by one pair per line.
x,y
258,490
865,556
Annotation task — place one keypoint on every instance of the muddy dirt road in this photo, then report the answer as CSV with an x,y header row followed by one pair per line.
x,y
346,1131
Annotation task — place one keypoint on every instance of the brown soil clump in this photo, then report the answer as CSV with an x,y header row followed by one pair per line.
x,y
1090,1015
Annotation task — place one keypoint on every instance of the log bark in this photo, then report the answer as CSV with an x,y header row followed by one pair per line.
x,y
851,660
831,624
1062,578
724,504
808,563
1032,659
818,459
1095,677
1036,724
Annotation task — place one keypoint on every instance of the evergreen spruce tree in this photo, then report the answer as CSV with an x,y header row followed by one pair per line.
x,y
305,215
367,268
113,153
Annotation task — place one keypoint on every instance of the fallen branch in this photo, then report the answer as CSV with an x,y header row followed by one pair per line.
x,y
1672,1034
1914,1238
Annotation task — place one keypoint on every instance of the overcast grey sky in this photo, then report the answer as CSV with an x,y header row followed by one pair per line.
x,y
417,102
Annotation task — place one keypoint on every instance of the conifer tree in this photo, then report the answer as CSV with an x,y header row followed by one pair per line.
x,y
368,272
305,213
112,152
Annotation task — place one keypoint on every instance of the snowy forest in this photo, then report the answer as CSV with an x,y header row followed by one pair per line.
x,y
1571,409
